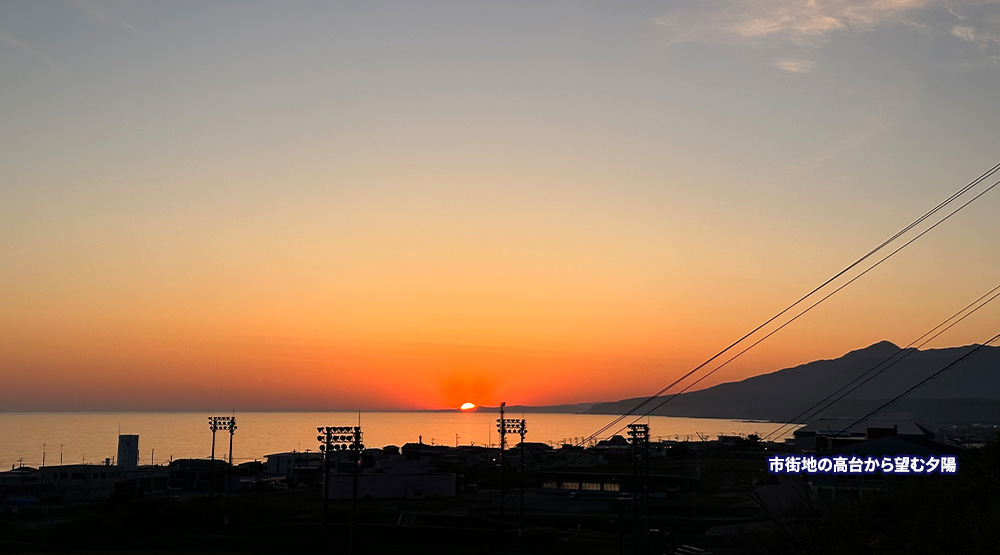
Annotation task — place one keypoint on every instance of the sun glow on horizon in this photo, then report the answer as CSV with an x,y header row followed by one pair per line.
x,y
467,406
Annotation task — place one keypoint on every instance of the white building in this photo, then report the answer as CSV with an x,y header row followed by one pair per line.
x,y
128,452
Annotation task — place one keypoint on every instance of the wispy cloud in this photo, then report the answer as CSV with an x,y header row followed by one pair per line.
x,y
806,23
978,24
796,65
107,14
797,28
982,39
858,135
16,43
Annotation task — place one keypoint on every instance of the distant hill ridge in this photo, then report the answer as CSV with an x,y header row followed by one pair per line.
x,y
968,392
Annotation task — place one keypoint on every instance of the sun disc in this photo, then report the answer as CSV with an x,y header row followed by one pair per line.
x,y
467,406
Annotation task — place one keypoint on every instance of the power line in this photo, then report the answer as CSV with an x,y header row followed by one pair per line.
x,y
797,316
923,381
817,303
868,255
972,184
905,352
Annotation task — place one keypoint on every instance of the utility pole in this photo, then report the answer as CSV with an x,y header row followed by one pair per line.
x,y
522,430
356,448
645,498
502,428
635,499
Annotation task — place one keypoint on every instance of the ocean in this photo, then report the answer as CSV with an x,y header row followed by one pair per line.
x,y
31,439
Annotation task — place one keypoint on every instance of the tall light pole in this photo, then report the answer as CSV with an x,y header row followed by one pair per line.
x,y
522,429
502,429
231,426
510,426
340,438
216,423
638,436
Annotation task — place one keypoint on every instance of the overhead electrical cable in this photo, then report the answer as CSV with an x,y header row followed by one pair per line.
x,y
854,264
943,204
851,266
954,363
888,362
815,304
611,425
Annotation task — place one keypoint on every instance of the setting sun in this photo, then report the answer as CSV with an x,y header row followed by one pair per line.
x,y
467,406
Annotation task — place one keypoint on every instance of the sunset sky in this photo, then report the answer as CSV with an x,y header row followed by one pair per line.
x,y
408,205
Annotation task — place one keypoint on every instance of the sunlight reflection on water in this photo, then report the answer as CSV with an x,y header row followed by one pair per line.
x,y
92,437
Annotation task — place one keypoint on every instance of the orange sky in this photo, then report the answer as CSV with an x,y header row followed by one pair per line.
x,y
395,208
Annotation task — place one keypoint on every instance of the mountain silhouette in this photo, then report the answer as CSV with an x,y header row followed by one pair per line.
x,y
967,392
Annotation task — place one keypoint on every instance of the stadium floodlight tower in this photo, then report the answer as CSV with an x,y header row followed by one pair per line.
x,y
215,423
638,436
231,427
509,426
522,430
221,423
333,439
